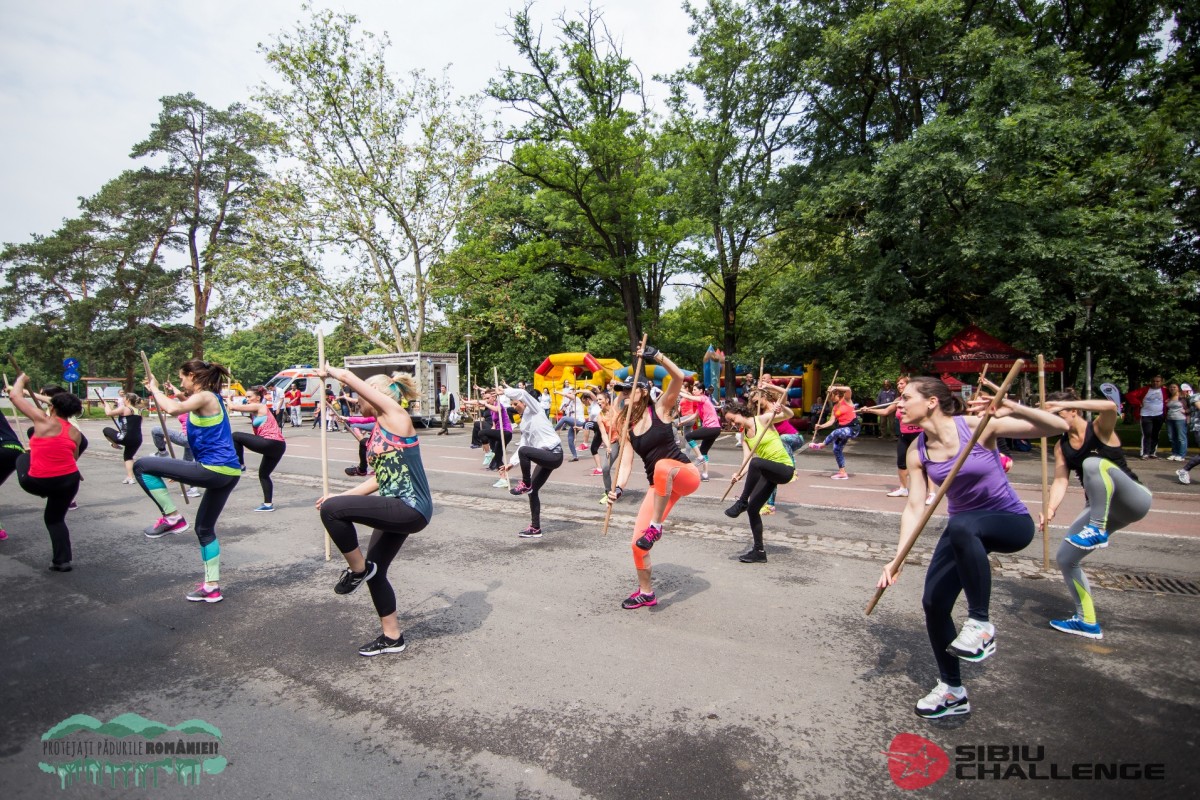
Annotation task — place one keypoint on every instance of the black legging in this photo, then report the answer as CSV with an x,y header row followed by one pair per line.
x,y
762,476
597,439
217,485
1151,428
492,437
59,492
903,441
479,430
132,438
546,461
271,451
705,436
392,521
960,564
8,461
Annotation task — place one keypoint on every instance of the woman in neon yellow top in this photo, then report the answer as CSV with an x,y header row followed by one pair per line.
x,y
770,464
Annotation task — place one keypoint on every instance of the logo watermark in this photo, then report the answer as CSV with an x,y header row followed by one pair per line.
x,y
915,762
130,751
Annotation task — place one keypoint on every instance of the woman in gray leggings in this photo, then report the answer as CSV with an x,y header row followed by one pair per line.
x,y
1114,497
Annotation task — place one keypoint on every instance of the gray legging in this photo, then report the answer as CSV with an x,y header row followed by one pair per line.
x,y
1114,501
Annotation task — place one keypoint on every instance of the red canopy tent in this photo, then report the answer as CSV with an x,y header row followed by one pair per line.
x,y
971,348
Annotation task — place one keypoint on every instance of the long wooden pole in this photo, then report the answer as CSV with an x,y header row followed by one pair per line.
x,y
16,415
162,423
1045,467
737,476
17,369
623,441
500,419
322,405
958,462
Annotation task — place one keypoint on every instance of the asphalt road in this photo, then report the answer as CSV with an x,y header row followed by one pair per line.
x,y
524,678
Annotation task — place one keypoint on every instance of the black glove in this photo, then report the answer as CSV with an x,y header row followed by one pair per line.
x,y
649,352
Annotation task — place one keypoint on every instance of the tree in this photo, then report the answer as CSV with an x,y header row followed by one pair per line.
x,y
100,278
589,145
383,171
733,117
215,155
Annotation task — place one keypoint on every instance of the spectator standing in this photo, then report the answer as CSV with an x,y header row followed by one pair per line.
x,y
1176,423
886,396
1150,405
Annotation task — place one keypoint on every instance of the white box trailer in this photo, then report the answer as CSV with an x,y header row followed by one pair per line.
x,y
430,369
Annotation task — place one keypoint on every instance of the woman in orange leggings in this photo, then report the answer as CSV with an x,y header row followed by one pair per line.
x,y
669,471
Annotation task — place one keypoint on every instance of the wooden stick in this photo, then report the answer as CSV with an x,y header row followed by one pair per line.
x,y
737,476
623,439
324,430
504,413
824,403
16,367
980,382
16,414
958,462
1045,466
162,422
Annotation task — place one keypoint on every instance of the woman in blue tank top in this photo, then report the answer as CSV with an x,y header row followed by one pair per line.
x,y
216,468
986,516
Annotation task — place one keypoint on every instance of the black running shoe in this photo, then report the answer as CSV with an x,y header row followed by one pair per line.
x,y
735,510
355,472
649,536
382,645
753,556
352,580
530,532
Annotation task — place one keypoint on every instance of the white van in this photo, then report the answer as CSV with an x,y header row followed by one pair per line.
x,y
305,378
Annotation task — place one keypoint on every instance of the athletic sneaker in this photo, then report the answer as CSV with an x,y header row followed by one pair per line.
x,y
355,472
649,536
501,484
202,595
943,701
597,472
476,446
487,460
73,506
637,600
817,446
735,510
3,534
753,556
840,476
521,488
1183,475
929,498
266,507
382,645
192,491
901,492
64,567
975,642
704,475
1090,538
530,532
164,526
1006,462
128,481
352,580
604,499
767,509
1078,627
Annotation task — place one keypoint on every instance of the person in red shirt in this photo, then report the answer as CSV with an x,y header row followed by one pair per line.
x,y
49,470
847,428
292,398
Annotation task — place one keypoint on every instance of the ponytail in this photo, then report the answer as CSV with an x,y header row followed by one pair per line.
x,y
208,375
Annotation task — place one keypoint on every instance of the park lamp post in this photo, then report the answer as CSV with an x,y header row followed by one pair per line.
x,y
1088,303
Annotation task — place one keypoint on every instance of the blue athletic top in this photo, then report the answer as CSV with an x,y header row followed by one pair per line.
x,y
980,485
211,441
399,470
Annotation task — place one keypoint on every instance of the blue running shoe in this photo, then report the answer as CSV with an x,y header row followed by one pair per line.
x,y
1090,538
1078,627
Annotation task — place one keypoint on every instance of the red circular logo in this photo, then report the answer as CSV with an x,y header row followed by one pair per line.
x,y
914,762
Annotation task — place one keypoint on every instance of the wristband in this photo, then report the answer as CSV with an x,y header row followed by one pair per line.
x,y
618,491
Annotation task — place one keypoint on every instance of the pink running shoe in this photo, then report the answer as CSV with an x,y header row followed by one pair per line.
x,y
597,472
521,488
202,595
164,527
649,536
840,476
3,534
817,446
1005,462
637,600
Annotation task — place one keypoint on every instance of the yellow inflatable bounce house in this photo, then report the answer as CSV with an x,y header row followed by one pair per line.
x,y
573,367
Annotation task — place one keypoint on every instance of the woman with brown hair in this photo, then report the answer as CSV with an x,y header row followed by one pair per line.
x,y
128,433
216,468
670,474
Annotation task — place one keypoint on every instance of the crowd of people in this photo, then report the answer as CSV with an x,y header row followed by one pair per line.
x,y
946,445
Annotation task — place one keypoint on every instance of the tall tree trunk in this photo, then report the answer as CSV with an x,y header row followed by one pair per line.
x,y
729,322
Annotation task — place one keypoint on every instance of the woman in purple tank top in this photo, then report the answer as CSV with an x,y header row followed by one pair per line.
x,y
986,516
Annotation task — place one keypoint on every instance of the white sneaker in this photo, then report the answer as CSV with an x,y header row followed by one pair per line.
x,y
487,459
500,484
1183,476
929,498
943,701
901,492
975,642
193,491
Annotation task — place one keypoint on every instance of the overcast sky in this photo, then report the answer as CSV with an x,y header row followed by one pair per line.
x,y
80,80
